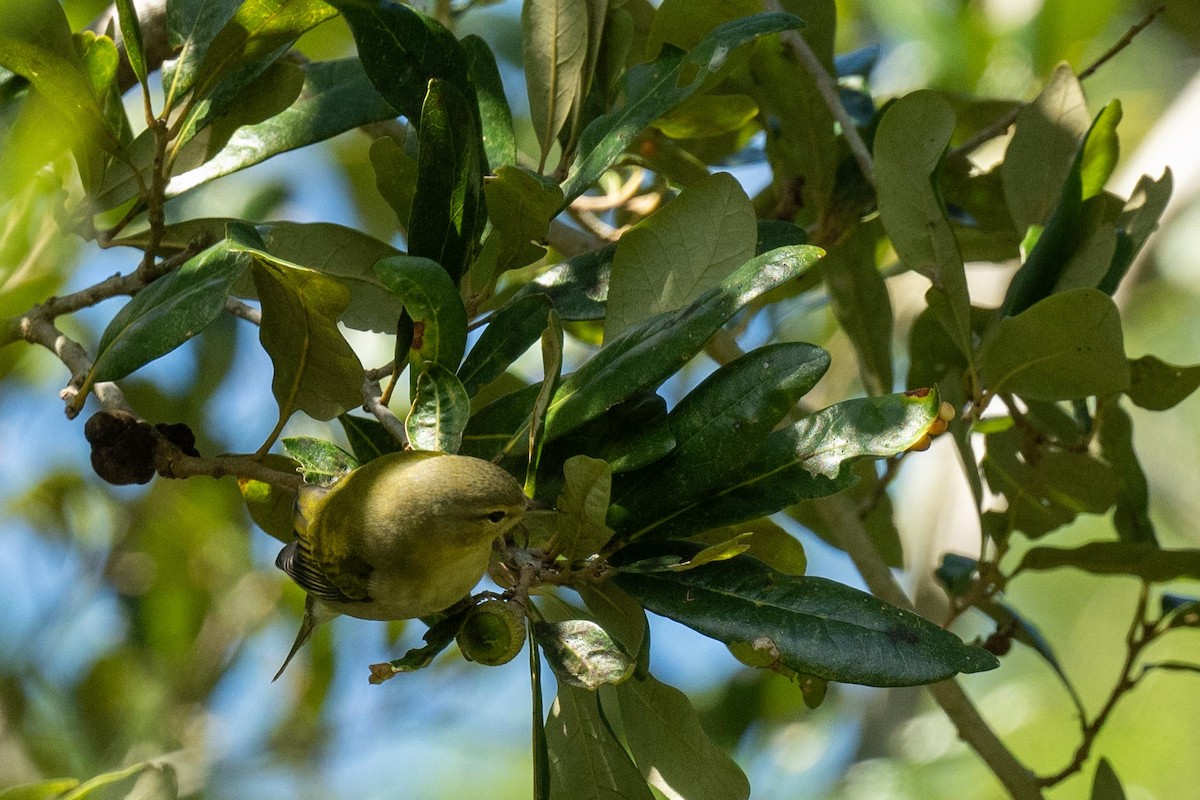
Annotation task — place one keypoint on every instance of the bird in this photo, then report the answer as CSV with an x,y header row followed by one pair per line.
x,y
406,535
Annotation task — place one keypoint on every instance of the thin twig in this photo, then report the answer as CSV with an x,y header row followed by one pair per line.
x,y
373,403
828,88
243,311
1001,125
594,225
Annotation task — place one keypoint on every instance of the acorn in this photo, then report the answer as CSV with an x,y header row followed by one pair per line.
x,y
493,633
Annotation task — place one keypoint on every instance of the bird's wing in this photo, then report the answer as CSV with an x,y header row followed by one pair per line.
x,y
296,560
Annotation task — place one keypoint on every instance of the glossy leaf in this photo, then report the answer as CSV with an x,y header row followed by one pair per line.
x,y
402,49
632,434
1157,385
583,505
1146,561
1040,156
670,747
258,30
653,88
812,458
322,463
554,35
819,627
520,205
681,251
131,33
1066,346
336,98
440,409
582,654
191,27
648,354
909,146
171,310
432,301
586,760
578,287
510,332
447,212
315,370
861,304
493,427
495,117
368,438
1105,784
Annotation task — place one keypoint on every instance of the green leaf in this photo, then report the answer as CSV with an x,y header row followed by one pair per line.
x,y
578,287
720,424
1040,156
653,88
171,310
681,251
437,638
554,35
582,654
818,626
620,615
648,354
520,205
52,789
583,505
552,360
368,438
707,115
586,760
861,304
447,211
1101,150
402,50
632,434
322,463
1137,221
879,521
1011,624
510,332
1106,785
1131,517
131,32
1146,561
117,776
670,747
395,176
1066,346
1047,491
316,371
1157,385
909,147
36,43
259,30
493,427
495,117
432,300
191,27
956,573
440,409
767,542
336,98
812,458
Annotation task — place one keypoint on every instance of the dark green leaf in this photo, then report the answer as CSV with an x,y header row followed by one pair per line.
x,y
809,459
1106,785
819,627
402,50
440,409
432,300
447,212
909,147
1146,561
395,176
586,760
552,361
191,26
861,304
499,141
680,252
648,354
1066,346
520,205
437,638
131,33
879,521
653,88
368,438
672,751
630,435
1157,385
316,371
1011,624
494,425
1173,604
1137,221
322,463
578,287
171,310
554,35
1131,517
583,504
510,332
956,573
773,233
582,654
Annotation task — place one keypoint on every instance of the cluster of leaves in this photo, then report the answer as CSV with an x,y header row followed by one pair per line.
x,y
659,500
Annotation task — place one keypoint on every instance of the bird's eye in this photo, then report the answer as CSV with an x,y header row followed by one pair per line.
x,y
497,516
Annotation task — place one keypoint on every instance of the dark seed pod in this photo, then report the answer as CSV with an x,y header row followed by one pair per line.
x,y
493,633
123,447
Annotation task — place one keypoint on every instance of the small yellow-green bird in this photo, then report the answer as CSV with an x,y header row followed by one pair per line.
x,y
406,535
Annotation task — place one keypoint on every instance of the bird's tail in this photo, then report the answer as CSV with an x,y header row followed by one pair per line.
x,y
307,626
